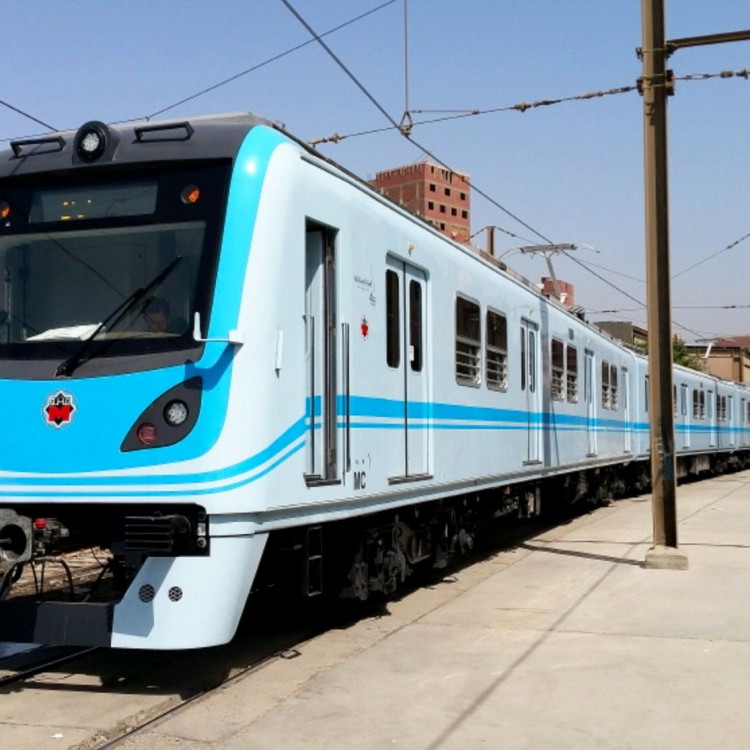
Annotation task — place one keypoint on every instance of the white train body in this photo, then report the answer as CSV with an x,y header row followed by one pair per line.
x,y
351,361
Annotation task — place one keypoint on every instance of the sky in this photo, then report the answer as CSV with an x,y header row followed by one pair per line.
x,y
571,172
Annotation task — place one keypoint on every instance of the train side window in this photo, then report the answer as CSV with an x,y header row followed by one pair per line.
x,y
605,385
572,374
468,342
558,370
614,396
496,352
415,325
393,323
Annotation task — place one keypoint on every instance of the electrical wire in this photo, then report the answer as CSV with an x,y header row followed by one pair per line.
x,y
395,125
674,307
267,62
642,305
432,156
617,273
27,115
710,257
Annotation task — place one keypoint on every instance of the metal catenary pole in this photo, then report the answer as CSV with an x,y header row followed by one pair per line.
x,y
655,86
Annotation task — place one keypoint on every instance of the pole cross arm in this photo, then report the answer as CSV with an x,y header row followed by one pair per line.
x,y
699,41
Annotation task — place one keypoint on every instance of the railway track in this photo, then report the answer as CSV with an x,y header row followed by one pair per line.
x,y
273,630
41,659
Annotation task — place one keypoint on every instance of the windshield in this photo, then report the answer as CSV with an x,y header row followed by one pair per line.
x,y
61,286
99,247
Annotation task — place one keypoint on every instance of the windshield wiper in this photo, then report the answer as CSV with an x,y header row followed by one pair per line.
x,y
68,366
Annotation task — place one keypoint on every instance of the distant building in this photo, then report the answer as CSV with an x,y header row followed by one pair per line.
x,y
439,195
727,358
628,333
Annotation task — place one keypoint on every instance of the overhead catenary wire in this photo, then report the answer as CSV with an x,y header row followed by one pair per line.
x,y
613,311
395,125
710,257
424,150
27,115
524,106
642,305
253,68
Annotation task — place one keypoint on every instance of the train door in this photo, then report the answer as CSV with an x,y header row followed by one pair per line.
x,y
711,409
320,354
627,424
406,313
685,414
743,422
530,388
589,396
729,415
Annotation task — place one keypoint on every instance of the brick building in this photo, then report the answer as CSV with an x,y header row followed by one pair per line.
x,y
567,291
438,195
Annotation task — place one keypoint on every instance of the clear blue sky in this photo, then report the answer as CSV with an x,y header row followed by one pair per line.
x,y
572,171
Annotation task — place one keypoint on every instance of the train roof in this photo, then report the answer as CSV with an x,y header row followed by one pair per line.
x,y
164,140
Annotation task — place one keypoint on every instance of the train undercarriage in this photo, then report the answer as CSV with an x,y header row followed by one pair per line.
x,y
356,558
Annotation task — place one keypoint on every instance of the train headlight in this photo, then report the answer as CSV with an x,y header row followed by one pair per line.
x,y
168,419
176,413
91,140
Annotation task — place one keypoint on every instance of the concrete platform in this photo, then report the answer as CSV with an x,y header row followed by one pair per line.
x,y
566,642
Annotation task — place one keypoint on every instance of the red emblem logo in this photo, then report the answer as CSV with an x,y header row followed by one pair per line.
x,y
58,411
364,327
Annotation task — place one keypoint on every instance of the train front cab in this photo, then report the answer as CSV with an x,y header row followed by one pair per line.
x,y
113,413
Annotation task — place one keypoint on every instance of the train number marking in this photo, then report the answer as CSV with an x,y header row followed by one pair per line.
x,y
360,478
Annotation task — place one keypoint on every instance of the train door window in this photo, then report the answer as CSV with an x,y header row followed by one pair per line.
x,y
523,358
572,374
468,342
393,323
701,405
532,359
496,353
558,370
674,400
415,326
684,400
645,394
614,396
589,397
605,385
729,418
627,426
321,324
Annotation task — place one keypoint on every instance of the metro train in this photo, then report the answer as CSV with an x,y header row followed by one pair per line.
x,y
225,360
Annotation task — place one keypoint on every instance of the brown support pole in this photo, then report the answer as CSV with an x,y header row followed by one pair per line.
x,y
664,553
